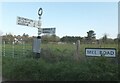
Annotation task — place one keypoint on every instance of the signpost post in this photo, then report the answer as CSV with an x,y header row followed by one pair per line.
x,y
38,40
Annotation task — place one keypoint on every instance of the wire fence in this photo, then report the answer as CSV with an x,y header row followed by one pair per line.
x,y
16,49
24,49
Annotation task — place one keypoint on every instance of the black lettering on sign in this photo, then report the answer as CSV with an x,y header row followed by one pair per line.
x,y
91,52
94,52
111,53
100,52
106,52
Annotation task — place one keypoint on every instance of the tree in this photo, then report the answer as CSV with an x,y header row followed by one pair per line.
x,y
50,38
8,38
104,38
25,37
70,39
90,36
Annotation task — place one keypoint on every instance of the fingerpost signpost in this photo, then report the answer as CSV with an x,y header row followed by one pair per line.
x,y
37,24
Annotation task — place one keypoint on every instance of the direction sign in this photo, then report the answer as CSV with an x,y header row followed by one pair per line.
x,y
28,22
47,30
107,52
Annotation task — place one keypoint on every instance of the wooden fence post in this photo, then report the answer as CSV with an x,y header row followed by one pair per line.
x,y
4,48
78,47
13,48
77,50
23,44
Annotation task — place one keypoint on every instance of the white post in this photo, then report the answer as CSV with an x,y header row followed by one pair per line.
x,y
77,50
78,47
4,48
13,48
23,47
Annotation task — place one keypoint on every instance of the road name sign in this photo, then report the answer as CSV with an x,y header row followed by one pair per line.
x,y
107,52
28,22
47,30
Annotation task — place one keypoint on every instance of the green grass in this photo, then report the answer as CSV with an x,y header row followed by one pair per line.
x,y
0,65
57,62
31,69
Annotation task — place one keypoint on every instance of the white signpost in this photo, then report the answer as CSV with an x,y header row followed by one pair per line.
x,y
107,52
47,30
33,23
37,24
28,22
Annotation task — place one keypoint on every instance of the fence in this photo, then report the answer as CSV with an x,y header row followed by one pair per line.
x,y
16,49
24,49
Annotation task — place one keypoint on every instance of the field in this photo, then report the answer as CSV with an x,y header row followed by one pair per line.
x,y
57,62
0,65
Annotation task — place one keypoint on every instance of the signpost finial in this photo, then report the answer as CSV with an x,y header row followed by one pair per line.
x,y
40,11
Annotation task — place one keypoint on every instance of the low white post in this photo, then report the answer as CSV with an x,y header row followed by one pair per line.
x,y
13,48
4,48
77,50
23,47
